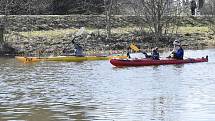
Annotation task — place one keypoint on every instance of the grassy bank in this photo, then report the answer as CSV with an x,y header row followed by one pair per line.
x,y
190,30
54,33
125,30
195,34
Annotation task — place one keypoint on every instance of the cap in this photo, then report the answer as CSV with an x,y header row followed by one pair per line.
x,y
176,42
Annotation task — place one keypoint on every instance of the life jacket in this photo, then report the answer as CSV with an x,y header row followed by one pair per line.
x,y
179,53
155,55
78,50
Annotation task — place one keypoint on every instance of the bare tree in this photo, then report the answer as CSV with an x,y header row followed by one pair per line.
x,y
5,6
39,7
108,10
209,14
77,7
158,15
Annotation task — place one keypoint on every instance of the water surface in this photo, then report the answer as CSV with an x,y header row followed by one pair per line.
x,y
95,90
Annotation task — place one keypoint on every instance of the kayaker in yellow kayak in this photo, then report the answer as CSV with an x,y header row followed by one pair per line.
x,y
78,49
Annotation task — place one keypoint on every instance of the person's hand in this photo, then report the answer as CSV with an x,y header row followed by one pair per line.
x,y
173,52
172,55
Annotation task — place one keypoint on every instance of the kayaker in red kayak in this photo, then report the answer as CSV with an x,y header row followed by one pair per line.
x,y
155,54
178,52
128,52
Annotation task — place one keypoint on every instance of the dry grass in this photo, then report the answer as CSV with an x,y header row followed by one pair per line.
x,y
62,32
49,34
190,30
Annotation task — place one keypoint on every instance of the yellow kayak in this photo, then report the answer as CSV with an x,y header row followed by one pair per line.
x,y
28,59
67,58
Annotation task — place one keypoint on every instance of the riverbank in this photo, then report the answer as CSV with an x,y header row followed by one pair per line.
x,y
53,34
55,41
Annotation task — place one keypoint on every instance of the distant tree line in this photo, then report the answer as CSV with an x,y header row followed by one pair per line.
x,y
159,16
60,7
66,7
78,6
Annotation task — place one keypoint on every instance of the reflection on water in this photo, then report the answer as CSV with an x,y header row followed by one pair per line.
x,y
52,91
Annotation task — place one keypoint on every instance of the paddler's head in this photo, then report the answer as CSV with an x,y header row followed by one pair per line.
x,y
133,37
177,43
155,49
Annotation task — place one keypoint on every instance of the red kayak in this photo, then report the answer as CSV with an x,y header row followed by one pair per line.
x,y
150,62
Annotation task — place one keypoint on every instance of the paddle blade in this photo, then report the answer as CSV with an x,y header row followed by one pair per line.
x,y
80,31
134,47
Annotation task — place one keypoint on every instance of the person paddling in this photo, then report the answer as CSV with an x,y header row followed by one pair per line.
x,y
178,52
78,49
128,52
155,54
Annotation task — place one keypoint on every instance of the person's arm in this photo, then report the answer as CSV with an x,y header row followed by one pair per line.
x,y
73,42
158,55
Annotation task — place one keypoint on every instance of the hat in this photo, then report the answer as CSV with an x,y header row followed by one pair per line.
x,y
156,48
176,42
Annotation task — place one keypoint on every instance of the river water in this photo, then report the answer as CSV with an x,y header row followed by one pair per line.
x,y
95,90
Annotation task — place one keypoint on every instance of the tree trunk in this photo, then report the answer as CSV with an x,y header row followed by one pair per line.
x,y
108,18
1,34
108,26
158,22
1,39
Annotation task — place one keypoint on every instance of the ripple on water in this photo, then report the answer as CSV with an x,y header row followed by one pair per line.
x,y
97,91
